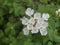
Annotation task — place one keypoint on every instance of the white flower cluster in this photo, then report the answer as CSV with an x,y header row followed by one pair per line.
x,y
36,23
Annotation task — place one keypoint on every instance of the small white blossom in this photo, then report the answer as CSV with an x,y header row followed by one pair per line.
x,y
37,15
38,24
29,11
43,32
24,21
57,12
43,25
40,20
45,16
34,30
29,27
31,21
25,31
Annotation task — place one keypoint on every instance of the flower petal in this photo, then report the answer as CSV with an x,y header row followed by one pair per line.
x,y
29,27
24,21
58,10
34,30
29,11
45,16
37,15
25,31
43,32
38,24
31,21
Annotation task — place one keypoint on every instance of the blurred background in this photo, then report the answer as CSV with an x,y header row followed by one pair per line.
x,y
11,27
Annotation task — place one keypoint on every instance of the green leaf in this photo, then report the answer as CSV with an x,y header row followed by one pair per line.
x,y
5,2
5,40
14,43
50,34
45,40
1,34
11,38
1,12
28,43
50,43
56,37
44,1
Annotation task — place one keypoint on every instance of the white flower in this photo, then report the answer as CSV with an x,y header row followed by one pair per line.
x,y
29,11
37,15
32,21
57,12
24,21
45,16
43,25
25,31
43,32
40,20
34,30
29,27
38,24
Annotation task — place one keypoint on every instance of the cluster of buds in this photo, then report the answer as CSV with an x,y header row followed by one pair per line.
x,y
58,12
36,22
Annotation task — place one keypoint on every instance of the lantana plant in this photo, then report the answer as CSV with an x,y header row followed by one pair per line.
x,y
36,22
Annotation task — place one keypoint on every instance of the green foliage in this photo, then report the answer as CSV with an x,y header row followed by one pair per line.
x,y
11,28
44,1
1,34
50,43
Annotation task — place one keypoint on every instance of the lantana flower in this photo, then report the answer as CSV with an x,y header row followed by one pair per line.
x,y
36,23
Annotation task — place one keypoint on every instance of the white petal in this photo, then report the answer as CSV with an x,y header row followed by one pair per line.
x,y
29,11
38,25
25,31
43,32
24,21
45,16
40,20
34,30
46,24
29,27
56,12
43,25
37,15
32,21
